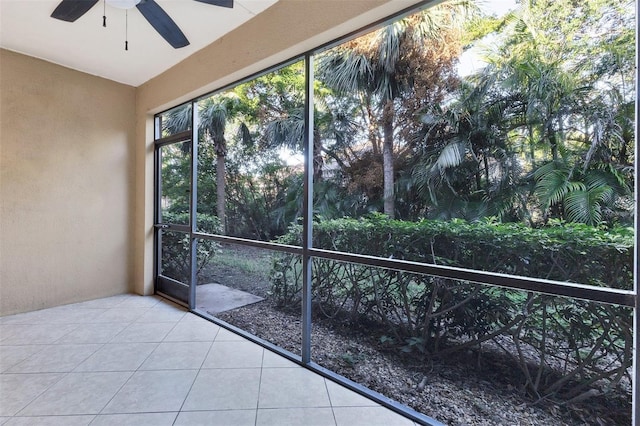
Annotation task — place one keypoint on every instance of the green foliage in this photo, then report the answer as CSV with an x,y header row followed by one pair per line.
x,y
481,26
563,348
176,260
567,252
462,147
286,279
584,195
551,106
175,173
263,203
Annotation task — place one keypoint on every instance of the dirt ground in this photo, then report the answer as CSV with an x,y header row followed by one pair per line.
x,y
468,388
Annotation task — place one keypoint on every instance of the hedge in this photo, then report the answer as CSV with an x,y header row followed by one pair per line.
x,y
563,252
565,349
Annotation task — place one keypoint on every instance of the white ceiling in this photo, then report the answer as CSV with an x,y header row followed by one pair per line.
x,y
85,45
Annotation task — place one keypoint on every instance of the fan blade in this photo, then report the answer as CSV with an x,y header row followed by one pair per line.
x,y
163,23
222,3
70,10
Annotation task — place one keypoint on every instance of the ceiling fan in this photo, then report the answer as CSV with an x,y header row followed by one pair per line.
x,y
70,10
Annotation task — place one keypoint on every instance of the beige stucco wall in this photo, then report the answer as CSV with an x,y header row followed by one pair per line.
x,y
66,163
283,31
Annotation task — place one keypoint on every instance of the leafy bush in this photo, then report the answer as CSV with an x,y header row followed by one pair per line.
x,y
260,208
563,252
175,245
561,346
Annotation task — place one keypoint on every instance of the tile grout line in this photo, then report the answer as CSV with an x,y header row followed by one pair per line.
x,y
333,412
93,417
259,388
196,376
44,346
63,375
134,371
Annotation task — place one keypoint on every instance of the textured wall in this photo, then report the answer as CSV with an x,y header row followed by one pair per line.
x,y
66,158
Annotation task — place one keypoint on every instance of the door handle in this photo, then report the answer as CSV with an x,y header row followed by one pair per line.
x,y
157,226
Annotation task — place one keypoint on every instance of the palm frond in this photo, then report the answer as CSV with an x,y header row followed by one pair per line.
x,y
553,184
177,120
388,40
450,156
287,131
584,206
344,70
244,134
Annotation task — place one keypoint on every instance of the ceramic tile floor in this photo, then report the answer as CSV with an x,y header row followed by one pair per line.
x,y
133,360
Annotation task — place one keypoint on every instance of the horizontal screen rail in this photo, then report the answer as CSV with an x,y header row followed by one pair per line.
x,y
555,288
578,291
251,243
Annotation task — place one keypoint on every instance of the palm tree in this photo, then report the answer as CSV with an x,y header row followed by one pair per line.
x,y
215,114
410,57
277,100
467,165
577,131
176,120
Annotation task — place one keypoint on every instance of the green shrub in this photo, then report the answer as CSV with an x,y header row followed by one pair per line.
x,y
175,245
563,347
564,252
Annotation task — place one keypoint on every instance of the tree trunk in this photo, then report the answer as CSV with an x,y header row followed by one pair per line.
x,y
221,190
486,169
387,159
553,141
318,162
532,148
373,135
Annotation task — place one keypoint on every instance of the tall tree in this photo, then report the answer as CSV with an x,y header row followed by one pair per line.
x,y
409,61
217,113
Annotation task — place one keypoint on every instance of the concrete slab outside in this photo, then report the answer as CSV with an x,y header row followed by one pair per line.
x,y
216,298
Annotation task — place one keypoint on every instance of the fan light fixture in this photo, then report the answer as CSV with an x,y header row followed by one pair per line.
x,y
123,4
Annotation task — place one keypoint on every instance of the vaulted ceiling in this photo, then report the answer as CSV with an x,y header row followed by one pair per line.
x,y
26,27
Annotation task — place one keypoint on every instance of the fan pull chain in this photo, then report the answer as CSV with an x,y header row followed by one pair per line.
x,y
104,13
126,30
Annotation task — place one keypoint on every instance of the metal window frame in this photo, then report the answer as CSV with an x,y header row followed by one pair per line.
x,y
158,225
635,385
307,221
308,252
